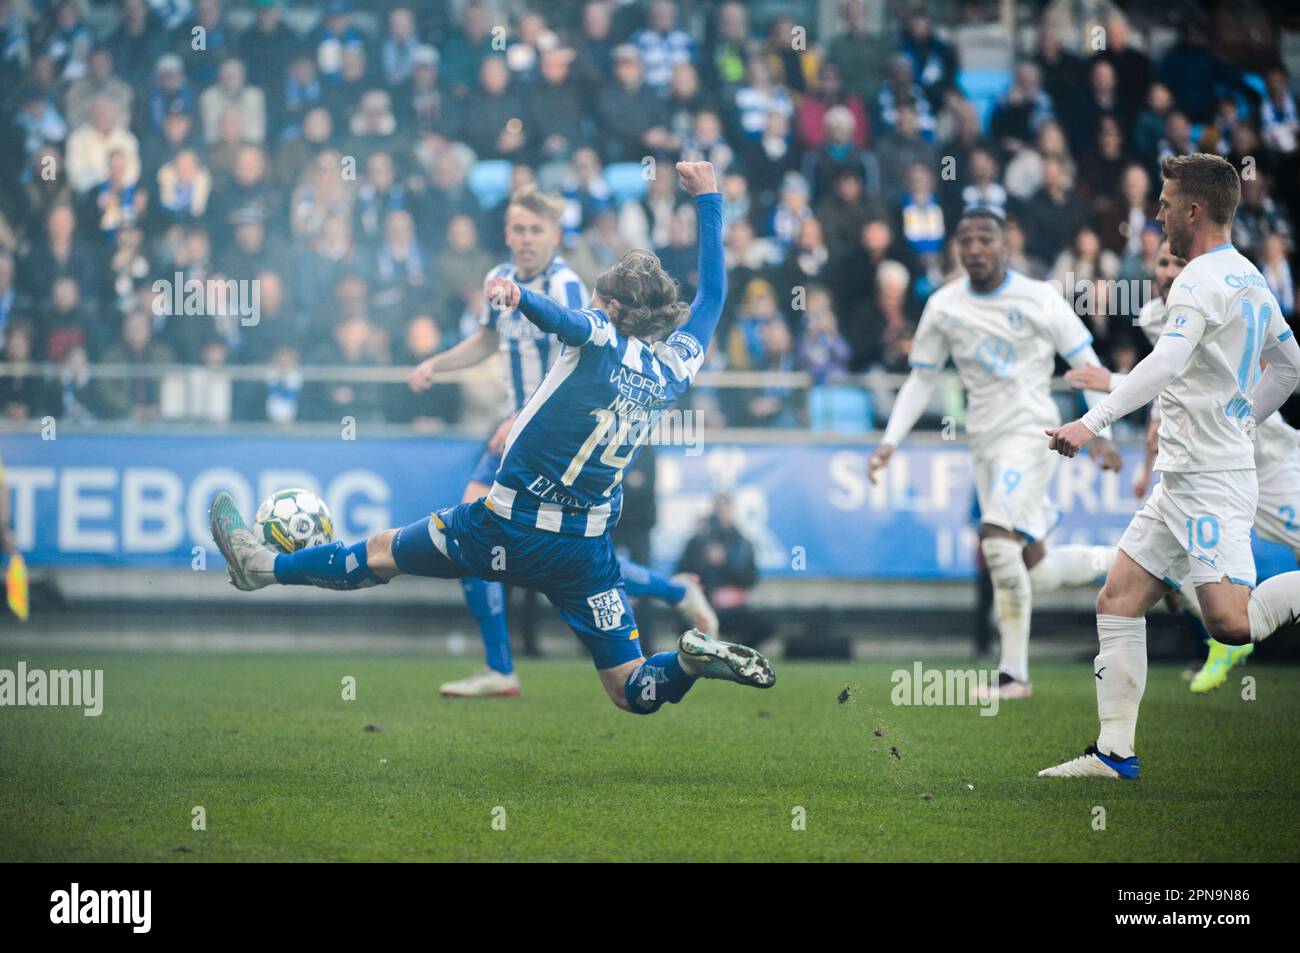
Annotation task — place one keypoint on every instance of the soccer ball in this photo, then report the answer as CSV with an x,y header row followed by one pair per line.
x,y
289,520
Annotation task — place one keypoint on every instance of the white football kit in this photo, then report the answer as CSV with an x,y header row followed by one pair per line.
x,y
1196,523
1004,344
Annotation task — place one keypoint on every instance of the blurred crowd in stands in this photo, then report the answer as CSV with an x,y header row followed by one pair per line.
x,y
354,160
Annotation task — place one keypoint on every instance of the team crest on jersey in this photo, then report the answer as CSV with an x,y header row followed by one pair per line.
x,y
1016,318
606,610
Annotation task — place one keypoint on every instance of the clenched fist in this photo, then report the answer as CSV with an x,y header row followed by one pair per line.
x,y
502,293
698,178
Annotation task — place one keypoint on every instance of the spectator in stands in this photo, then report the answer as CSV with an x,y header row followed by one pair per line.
x,y
232,92
811,114
90,145
807,262
69,44
984,189
1051,216
631,117
724,560
466,49
299,93
1103,165
267,46
202,61
491,121
901,148
54,254
1277,272
899,93
663,45
336,35
758,98
1019,117
823,352
397,50
99,80
1278,119
399,273
933,62
23,394
137,43
134,397
1258,217
117,202
1196,75
556,111
431,410
1122,217
36,125
728,48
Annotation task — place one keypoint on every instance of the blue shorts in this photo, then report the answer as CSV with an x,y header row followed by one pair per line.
x,y
485,471
580,575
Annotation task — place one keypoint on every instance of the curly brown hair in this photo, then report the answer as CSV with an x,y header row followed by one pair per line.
x,y
647,296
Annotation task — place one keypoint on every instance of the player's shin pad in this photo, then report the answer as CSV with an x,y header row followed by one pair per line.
x,y
332,566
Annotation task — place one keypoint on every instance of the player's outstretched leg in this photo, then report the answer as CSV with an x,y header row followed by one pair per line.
x,y
1064,567
683,592
498,679
668,676
254,565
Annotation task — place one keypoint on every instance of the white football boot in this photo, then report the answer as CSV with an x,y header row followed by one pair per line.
x,y
704,657
1007,689
483,684
251,564
1093,764
694,607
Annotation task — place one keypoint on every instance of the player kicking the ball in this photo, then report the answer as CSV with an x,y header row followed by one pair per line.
x,y
532,233
1003,332
1277,470
545,521
1205,368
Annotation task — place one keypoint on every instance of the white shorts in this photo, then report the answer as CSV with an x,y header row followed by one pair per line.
x,y
1278,516
1197,526
1011,477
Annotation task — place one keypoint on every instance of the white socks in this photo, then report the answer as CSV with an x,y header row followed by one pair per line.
x,y
1011,602
1274,603
1121,673
1073,565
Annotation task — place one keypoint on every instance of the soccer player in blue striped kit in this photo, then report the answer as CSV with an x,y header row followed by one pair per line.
x,y
546,519
532,233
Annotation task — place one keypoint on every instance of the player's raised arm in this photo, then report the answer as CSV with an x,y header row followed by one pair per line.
x,y
700,179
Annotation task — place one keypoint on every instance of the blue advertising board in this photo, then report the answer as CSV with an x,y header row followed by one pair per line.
x,y
120,499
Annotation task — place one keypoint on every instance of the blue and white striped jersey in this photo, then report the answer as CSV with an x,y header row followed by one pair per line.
x,y
566,453
529,351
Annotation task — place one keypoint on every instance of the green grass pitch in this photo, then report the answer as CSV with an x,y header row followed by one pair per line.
x,y
285,769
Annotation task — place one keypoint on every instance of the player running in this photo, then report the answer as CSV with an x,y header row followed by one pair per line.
x,y
545,521
1277,469
1003,332
532,233
1205,368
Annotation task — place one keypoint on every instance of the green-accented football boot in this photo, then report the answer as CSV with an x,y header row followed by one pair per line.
x,y
250,563
709,658
1221,659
